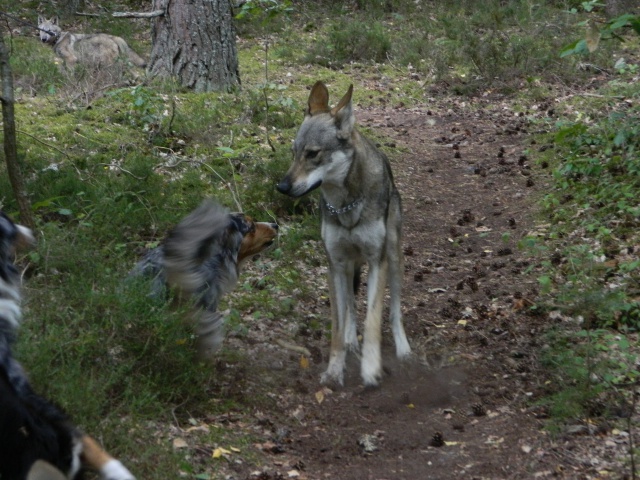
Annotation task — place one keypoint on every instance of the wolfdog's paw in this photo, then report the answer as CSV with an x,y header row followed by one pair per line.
x,y
331,377
403,353
403,349
371,371
372,381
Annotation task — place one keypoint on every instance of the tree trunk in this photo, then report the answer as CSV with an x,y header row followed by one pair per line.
x,y
195,41
71,7
615,8
10,145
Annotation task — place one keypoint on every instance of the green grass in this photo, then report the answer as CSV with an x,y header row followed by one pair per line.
x,y
593,276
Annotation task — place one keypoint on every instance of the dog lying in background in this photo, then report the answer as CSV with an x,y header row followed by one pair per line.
x,y
98,49
32,429
200,261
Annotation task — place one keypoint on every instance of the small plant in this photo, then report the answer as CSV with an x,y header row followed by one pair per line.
x,y
144,106
268,8
349,41
593,370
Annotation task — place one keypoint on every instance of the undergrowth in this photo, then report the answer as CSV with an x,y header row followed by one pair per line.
x,y
591,279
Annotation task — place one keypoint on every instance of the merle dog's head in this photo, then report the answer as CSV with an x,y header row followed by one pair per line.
x,y
256,236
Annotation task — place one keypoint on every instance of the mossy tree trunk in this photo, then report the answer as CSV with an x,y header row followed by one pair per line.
x,y
195,42
10,144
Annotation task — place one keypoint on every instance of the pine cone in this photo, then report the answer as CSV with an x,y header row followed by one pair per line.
x,y
478,410
437,440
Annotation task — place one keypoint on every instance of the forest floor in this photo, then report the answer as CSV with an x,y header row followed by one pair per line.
x,y
467,404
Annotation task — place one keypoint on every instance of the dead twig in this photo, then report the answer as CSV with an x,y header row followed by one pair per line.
x,y
154,13
113,165
44,143
294,348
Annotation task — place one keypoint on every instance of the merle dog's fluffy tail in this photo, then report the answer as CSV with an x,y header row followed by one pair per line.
x,y
197,238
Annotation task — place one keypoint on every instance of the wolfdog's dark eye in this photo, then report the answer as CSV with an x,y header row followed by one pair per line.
x,y
311,154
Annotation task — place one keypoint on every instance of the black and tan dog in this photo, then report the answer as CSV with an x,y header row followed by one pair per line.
x,y
33,431
200,261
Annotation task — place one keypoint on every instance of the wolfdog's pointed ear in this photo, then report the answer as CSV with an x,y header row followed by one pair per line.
x,y
343,114
54,20
40,19
318,99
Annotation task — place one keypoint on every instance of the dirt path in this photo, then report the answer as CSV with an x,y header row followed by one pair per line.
x,y
461,409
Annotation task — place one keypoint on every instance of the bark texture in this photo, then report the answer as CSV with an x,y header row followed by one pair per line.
x,y
10,144
615,8
195,41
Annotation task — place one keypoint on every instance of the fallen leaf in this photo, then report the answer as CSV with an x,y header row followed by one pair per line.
x,y
234,449
437,290
526,448
266,446
319,396
298,413
200,428
494,440
304,362
218,452
179,443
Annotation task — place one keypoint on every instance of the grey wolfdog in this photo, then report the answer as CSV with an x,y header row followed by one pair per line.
x,y
201,259
361,223
38,439
98,49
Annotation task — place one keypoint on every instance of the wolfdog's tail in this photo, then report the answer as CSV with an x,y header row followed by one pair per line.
x,y
128,52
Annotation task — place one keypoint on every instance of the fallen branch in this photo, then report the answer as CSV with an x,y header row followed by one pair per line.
x,y
155,13
44,143
294,348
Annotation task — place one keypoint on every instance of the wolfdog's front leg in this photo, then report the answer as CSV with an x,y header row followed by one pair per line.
x,y
339,294
371,369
